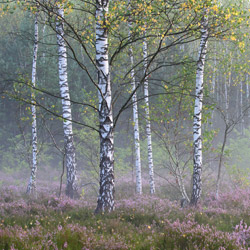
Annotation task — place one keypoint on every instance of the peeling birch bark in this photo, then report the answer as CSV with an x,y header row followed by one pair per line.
x,y
71,188
31,189
105,202
197,143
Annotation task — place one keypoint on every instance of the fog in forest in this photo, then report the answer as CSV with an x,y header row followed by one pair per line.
x,y
129,115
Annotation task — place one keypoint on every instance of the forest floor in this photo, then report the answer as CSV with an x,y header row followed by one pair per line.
x,y
138,222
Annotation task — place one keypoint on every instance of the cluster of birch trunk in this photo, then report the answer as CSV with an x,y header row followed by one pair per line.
x,y
106,193
71,189
106,197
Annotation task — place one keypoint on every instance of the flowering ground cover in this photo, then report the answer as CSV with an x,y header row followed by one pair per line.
x,y
139,222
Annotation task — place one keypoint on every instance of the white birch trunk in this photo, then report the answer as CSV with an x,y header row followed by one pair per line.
x,y
227,88
213,86
136,130
43,32
214,74
218,93
241,108
135,122
197,171
105,201
226,96
71,189
31,189
148,125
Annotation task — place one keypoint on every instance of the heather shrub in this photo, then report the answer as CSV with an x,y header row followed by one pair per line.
x,y
191,235
139,222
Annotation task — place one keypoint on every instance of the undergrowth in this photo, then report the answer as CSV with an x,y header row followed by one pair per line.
x,y
139,222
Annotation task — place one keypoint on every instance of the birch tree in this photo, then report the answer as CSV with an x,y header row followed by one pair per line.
x,y
105,202
241,108
214,81
135,117
71,188
31,189
148,125
227,84
197,140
